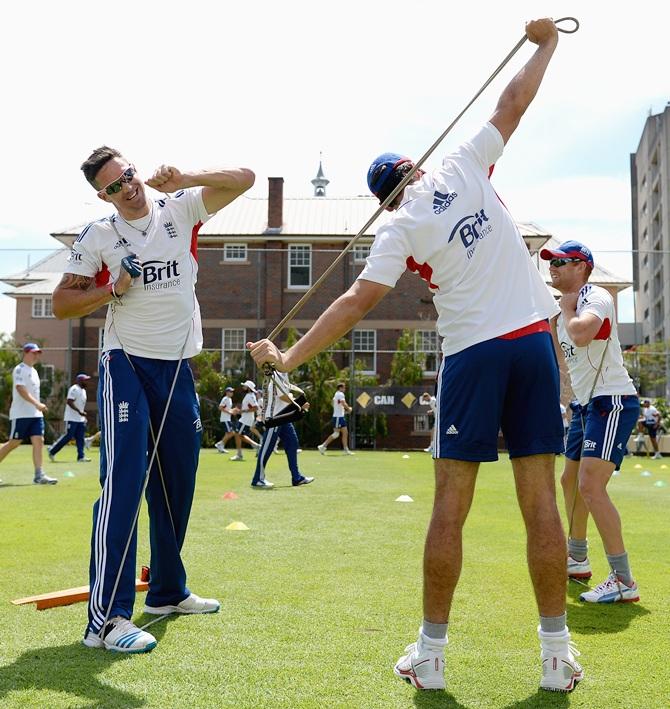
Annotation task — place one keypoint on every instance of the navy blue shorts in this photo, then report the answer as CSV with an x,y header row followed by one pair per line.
x,y
244,429
602,428
339,422
228,426
23,429
511,385
652,429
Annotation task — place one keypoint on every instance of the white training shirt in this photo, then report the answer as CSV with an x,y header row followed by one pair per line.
x,y
228,403
583,362
649,413
564,414
28,377
78,394
160,311
454,232
338,406
247,418
279,403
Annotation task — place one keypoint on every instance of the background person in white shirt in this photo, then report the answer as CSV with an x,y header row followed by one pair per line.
x,y
431,402
652,422
228,426
246,424
340,407
75,420
26,412
608,409
493,306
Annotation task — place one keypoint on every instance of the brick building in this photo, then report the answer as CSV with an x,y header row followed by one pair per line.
x,y
257,257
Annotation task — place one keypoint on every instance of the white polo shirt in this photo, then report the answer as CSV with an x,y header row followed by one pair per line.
x,y
456,234
247,418
27,376
583,362
227,402
160,311
78,394
338,406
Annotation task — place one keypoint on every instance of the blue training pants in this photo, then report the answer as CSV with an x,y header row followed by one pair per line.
x,y
289,438
76,430
128,396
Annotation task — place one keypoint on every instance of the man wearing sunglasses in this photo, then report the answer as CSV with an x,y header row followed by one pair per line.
x,y
141,263
606,412
493,307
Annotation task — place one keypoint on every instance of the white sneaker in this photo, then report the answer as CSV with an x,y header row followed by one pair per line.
x,y
657,456
255,445
321,449
579,569
220,447
611,590
121,635
87,441
44,480
263,485
51,456
428,450
422,665
560,670
237,457
190,605
348,452
83,460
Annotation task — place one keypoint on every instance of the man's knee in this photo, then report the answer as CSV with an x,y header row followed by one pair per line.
x,y
335,434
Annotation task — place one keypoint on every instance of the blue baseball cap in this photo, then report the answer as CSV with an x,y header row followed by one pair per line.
x,y
381,169
82,377
569,249
31,347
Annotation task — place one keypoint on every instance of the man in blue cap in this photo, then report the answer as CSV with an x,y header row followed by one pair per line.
x,y
606,412
450,228
75,420
26,412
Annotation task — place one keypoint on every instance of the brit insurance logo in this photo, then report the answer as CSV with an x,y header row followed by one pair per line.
x,y
442,201
159,275
471,229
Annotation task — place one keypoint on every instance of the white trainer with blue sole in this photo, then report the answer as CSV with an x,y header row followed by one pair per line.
x,y
121,635
611,590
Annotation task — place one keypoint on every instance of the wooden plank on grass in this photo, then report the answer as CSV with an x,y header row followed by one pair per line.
x,y
66,596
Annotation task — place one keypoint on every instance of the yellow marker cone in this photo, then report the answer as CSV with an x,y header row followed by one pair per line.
x,y
638,466
664,467
237,526
404,498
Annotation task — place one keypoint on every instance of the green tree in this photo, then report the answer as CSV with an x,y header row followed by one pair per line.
x,y
647,365
406,367
9,358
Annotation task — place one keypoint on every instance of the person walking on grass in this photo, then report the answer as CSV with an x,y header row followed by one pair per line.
x,y
26,412
141,262
607,412
246,424
493,308
652,422
340,407
75,420
228,426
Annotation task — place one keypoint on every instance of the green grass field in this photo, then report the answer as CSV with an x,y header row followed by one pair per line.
x,y
323,592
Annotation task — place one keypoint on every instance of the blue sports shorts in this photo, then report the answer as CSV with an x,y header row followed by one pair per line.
x,y
602,427
500,384
23,429
339,422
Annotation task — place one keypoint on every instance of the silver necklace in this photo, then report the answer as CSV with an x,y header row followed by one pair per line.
x,y
146,228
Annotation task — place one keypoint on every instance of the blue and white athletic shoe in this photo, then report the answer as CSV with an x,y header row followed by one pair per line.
x,y
121,635
579,569
191,605
611,590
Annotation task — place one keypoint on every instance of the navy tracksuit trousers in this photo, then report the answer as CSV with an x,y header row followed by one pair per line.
x,y
128,397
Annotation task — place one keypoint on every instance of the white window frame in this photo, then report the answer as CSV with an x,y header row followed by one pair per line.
x,y
241,334
42,306
361,252
49,372
420,337
358,349
302,249
421,424
230,252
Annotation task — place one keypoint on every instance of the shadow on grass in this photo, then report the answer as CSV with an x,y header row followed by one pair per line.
x,y
71,669
597,618
542,698
436,698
